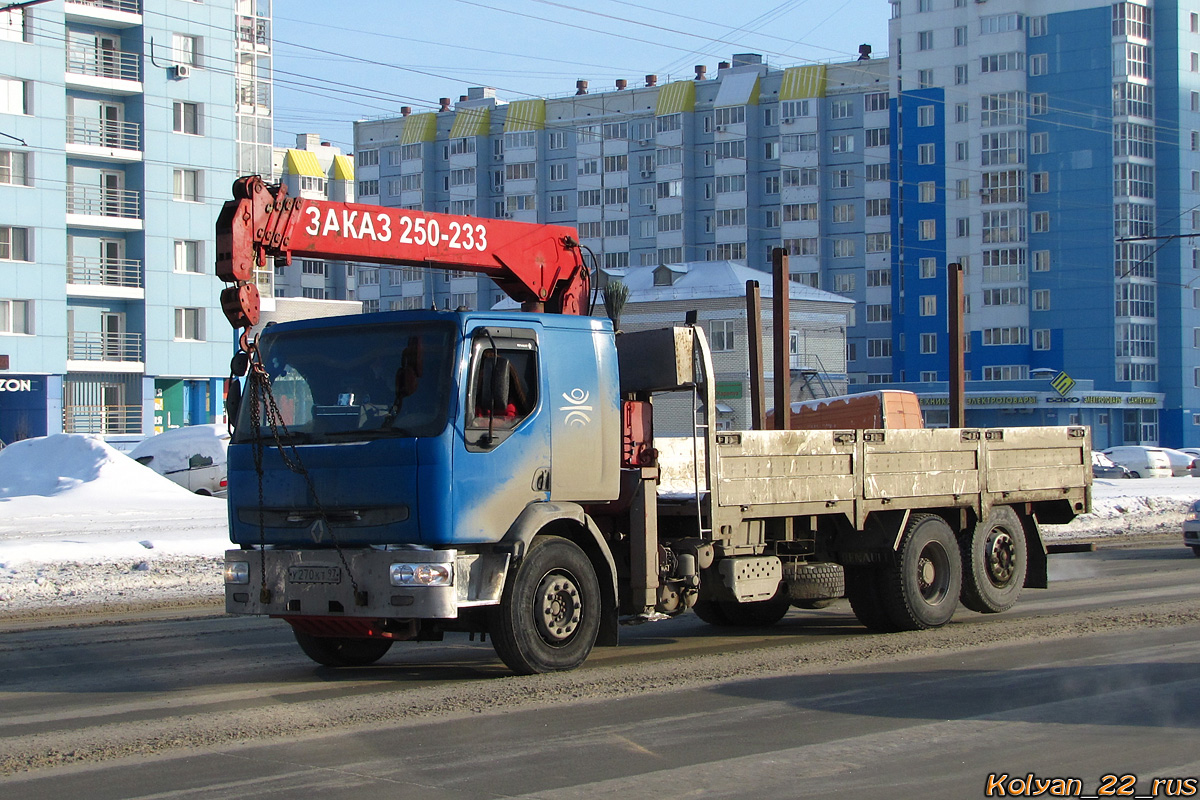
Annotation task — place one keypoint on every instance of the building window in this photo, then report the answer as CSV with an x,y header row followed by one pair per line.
x,y
929,305
926,192
1041,221
879,313
1039,104
14,96
875,101
927,153
722,334
370,158
187,256
189,324
879,242
368,188
928,267
1037,26
186,185
1039,143
14,168
925,116
960,36
14,244
960,74
877,172
1041,300
1001,336
928,343
16,316
879,277
558,203
925,40
556,140
924,79
1038,64
1041,260
879,348
843,248
1041,339
927,229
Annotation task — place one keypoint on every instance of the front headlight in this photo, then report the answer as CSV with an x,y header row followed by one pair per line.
x,y
237,572
421,574
1192,516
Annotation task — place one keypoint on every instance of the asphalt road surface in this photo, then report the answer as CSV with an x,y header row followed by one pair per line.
x,y
1097,676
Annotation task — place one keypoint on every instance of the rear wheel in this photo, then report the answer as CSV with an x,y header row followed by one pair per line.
x,y
922,584
994,561
1133,474
336,651
549,614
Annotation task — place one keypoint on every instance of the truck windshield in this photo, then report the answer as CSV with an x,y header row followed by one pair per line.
x,y
356,383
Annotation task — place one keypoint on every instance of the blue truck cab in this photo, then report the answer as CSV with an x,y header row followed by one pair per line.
x,y
388,468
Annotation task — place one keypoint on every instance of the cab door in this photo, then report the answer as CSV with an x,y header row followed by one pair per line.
x,y
502,460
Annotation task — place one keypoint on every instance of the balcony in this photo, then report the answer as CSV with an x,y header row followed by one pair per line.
x,y
104,69
109,13
107,349
102,419
109,209
95,276
104,140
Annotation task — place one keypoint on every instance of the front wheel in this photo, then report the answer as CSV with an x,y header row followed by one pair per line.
x,y
338,651
922,584
994,558
549,613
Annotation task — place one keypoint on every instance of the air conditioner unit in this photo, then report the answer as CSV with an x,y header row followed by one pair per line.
x,y
652,208
643,141
180,71
788,120
647,173
720,129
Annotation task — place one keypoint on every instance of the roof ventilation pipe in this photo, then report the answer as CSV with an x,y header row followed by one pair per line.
x,y
651,80
580,87
701,72
444,104
621,84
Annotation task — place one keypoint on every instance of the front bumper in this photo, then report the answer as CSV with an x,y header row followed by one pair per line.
x,y
318,583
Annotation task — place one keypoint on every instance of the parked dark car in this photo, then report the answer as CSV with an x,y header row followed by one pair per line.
x,y
1105,467
1191,528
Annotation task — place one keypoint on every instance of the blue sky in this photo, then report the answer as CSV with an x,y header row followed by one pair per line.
x,y
372,56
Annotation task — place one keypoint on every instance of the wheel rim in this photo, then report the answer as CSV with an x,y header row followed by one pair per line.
x,y
933,573
1001,558
559,608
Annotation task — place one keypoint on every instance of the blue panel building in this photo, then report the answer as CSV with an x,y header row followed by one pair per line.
x,y
119,146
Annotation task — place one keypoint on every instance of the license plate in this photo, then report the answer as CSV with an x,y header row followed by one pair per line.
x,y
314,574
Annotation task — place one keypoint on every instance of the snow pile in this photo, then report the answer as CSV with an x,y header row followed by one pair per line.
x,y
81,522
1139,506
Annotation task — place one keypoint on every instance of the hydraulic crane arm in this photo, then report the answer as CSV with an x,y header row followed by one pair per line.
x,y
539,266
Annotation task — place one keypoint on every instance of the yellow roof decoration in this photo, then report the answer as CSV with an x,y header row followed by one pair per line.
x,y
801,83
676,97
302,162
343,168
471,122
525,115
419,128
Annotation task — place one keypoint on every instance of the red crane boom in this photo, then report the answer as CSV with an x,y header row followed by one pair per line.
x,y
540,266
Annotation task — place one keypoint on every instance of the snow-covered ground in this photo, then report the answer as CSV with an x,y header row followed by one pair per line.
x,y
83,524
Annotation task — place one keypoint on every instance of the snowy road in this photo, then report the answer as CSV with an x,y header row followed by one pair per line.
x,y
237,699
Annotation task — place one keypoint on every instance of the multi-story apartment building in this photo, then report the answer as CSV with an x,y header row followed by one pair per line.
x,y
1051,148
118,148
689,170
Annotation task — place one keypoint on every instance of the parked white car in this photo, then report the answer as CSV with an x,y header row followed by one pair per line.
x,y
1182,464
1141,461
193,457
